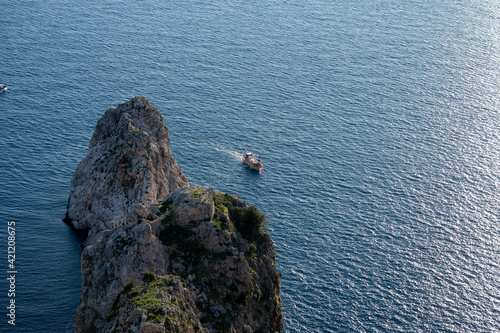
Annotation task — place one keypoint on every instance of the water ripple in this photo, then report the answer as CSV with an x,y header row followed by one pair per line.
x,y
378,124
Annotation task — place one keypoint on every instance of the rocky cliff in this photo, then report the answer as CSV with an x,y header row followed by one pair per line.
x,y
129,162
163,256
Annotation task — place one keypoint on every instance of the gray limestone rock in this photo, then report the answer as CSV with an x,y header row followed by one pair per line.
x,y
128,162
163,256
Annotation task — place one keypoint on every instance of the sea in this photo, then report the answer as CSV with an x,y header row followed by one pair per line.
x,y
377,121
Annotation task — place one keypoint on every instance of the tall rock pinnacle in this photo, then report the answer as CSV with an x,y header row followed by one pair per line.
x,y
129,162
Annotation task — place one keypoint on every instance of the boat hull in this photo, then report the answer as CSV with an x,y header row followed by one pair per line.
x,y
252,161
255,167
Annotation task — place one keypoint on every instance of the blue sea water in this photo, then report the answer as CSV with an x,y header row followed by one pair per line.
x,y
378,123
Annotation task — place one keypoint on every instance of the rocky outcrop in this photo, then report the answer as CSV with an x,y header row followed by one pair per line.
x,y
171,257
129,162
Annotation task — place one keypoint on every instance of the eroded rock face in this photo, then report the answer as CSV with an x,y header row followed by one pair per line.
x,y
163,256
129,162
157,273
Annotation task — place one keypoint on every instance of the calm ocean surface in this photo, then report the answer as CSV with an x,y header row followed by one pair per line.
x,y
378,123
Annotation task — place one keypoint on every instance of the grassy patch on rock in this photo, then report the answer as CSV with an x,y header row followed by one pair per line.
x,y
116,303
198,192
151,297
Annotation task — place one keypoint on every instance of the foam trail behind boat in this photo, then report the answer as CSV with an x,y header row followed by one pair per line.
x,y
234,153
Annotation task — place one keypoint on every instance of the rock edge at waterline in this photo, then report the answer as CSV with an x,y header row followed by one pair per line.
x,y
163,256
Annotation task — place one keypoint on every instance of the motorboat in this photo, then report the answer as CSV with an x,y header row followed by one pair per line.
x,y
3,87
252,161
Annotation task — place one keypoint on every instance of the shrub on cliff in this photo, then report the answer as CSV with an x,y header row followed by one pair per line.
x,y
250,222
149,277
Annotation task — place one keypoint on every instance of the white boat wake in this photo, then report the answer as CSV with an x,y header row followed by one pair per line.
x,y
230,151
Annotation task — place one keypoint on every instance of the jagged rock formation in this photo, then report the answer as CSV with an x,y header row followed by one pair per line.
x,y
129,162
177,259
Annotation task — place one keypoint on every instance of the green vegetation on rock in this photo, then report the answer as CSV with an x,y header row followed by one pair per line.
x,y
150,297
166,205
149,277
116,303
198,192
249,221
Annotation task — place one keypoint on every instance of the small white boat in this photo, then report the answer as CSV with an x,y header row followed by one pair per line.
x,y
252,161
3,87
